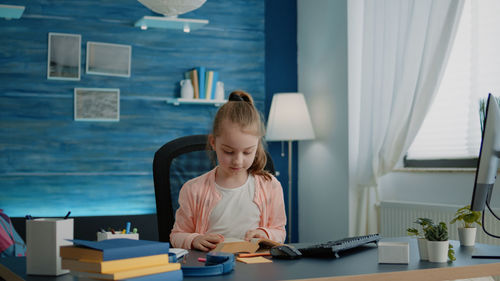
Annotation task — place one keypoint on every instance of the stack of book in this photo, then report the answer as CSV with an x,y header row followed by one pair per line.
x,y
204,82
119,259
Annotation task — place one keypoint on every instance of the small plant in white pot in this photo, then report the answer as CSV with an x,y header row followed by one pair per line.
x,y
467,230
420,235
438,245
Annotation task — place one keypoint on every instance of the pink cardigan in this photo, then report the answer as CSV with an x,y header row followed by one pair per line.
x,y
198,197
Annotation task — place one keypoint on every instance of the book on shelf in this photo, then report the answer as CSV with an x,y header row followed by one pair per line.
x,y
112,249
196,87
255,245
174,275
114,265
130,273
193,75
208,84
215,79
201,81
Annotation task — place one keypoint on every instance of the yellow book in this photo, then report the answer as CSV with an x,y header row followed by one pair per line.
x,y
73,252
113,265
128,273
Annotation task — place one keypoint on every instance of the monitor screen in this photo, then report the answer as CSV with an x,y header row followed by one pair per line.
x,y
487,163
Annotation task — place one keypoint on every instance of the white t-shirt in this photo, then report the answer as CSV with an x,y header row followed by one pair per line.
x,y
235,213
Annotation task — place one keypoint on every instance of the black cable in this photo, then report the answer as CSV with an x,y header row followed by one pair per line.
x,y
482,219
489,208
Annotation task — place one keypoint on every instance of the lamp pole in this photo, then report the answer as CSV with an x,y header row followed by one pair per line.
x,y
289,191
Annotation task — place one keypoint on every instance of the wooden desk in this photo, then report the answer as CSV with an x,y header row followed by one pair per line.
x,y
361,264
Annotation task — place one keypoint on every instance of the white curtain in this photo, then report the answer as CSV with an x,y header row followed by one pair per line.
x,y
399,50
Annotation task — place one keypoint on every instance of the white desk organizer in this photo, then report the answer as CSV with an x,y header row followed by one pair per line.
x,y
44,236
393,252
108,235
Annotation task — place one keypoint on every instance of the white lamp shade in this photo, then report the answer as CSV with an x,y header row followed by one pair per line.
x,y
289,118
172,8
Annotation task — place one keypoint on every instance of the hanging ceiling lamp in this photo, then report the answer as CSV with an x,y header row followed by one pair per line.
x,y
172,8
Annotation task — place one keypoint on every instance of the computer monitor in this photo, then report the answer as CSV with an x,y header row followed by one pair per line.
x,y
489,154
487,166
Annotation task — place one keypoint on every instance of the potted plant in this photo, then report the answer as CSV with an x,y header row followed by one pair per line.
x,y
420,235
467,230
438,247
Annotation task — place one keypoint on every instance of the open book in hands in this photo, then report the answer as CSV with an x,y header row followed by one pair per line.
x,y
241,246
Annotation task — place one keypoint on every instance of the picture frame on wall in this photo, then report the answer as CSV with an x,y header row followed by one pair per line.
x,y
96,104
108,59
64,56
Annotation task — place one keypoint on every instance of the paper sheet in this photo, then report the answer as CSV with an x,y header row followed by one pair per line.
x,y
254,260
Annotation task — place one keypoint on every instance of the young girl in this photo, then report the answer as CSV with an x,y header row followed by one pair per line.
x,y
237,199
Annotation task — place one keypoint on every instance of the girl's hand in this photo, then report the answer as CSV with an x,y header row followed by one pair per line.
x,y
255,233
207,242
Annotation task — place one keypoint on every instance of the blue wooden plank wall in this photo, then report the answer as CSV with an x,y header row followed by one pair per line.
x,y
49,163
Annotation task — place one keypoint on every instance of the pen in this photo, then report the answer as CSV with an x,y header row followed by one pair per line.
x,y
67,215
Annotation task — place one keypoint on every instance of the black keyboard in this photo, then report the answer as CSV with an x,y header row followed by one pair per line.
x,y
332,248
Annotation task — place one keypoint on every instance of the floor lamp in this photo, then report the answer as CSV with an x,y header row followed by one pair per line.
x,y
289,120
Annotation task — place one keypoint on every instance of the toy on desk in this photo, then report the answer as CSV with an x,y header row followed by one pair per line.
x,y
216,263
112,234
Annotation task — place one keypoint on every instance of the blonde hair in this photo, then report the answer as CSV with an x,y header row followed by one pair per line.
x,y
241,110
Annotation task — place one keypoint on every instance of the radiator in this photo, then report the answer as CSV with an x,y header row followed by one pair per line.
x,y
396,217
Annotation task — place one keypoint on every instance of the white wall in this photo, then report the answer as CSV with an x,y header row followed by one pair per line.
x,y
452,188
322,77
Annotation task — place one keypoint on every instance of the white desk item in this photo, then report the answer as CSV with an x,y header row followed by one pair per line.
x,y
44,236
109,235
393,252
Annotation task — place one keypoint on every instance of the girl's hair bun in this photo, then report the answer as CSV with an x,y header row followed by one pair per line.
x,y
239,95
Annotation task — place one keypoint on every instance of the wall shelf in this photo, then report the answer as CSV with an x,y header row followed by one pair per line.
x,y
179,101
186,25
11,11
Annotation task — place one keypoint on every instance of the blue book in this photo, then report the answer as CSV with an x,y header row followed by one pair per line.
x,y
173,275
214,83
114,249
201,80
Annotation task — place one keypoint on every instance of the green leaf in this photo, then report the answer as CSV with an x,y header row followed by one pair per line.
x,y
467,217
451,253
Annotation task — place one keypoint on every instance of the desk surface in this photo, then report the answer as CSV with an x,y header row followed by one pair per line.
x,y
361,264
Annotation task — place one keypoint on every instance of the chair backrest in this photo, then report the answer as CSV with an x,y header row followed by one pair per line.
x,y
175,163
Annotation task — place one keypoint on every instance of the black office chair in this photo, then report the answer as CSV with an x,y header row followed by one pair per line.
x,y
175,163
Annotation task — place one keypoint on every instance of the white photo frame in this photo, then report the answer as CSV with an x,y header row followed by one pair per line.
x,y
108,59
96,104
64,56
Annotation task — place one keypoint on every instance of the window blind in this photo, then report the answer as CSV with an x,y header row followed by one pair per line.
x,y
451,129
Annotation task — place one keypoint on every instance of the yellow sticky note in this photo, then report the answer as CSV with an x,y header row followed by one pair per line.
x,y
254,260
